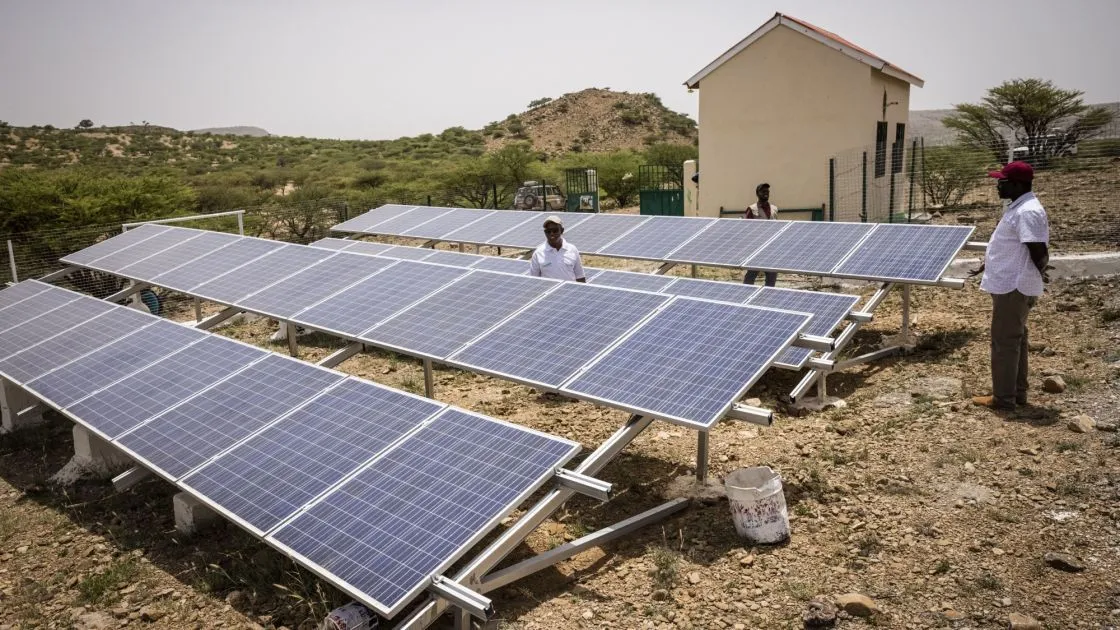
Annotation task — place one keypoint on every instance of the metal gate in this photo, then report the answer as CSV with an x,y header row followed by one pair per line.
x,y
582,188
661,190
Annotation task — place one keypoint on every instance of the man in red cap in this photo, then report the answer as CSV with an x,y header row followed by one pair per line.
x,y
1014,272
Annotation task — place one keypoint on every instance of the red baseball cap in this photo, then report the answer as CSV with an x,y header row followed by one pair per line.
x,y
1015,171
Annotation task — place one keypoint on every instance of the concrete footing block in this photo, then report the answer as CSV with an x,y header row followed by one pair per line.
x,y
18,409
192,516
93,457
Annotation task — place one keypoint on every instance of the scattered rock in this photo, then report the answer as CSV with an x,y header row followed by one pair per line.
x,y
820,613
1054,384
953,615
969,468
857,605
1016,621
588,614
95,621
1081,424
893,399
694,577
1036,347
151,613
1108,426
660,595
1064,562
937,388
239,600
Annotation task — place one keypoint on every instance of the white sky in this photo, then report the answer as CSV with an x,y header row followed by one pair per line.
x,y
383,69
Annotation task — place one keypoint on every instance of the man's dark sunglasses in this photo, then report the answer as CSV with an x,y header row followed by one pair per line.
x,y
553,230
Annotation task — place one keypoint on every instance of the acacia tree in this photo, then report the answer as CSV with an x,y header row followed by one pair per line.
x,y
1048,120
85,124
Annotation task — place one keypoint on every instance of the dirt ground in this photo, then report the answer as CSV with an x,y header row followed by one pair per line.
x,y
939,511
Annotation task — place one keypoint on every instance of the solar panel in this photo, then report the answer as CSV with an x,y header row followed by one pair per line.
x,y
531,233
809,247
188,435
39,327
448,319
214,264
454,258
113,263
281,469
548,341
41,358
632,280
368,248
253,276
403,252
907,253
655,238
77,379
377,298
373,217
597,231
417,509
17,313
164,384
690,362
591,273
21,291
711,290
827,309
333,243
487,228
728,242
189,249
295,293
448,222
506,265
114,244
400,224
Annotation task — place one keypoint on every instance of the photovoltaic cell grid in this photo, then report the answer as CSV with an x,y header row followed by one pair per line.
x,y
655,238
448,222
728,243
201,244
690,361
114,244
205,425
404,252
368,248
278,471
17,313
378,297
115,262
458,259
506,265
593,234
18,292
484,230
261,272
711,290
828,310
808,247
531,233
419,507
442,323
332,243
162,385
295,293
550,340
398,225
907,253
214,264
632,280
373,217
39,327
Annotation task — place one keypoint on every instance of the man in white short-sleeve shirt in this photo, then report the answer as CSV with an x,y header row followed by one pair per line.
x,y
1014,273
555,257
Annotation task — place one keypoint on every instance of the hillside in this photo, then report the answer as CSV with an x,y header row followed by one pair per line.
x,y
256,132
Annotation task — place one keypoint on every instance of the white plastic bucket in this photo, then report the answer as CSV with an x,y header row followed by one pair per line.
x,y
758,505
352,616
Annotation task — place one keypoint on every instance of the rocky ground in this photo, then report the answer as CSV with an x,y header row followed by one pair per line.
x,y
909,507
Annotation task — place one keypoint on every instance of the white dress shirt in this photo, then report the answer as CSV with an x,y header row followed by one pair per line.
x,y
562,264
1007,264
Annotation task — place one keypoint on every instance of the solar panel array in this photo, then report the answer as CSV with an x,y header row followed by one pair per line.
x,y
916,254
373,489
436,311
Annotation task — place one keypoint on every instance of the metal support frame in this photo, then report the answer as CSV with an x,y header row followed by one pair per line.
x,y
694,272
217,318
462,597
58,275
197,310
754,415
130,478
701,456
975,246
193,217
664,268
584,484
293,345
905,330
429,383
815,342
133,287
12,261
338,356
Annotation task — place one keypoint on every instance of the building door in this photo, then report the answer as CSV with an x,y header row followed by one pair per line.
x,y
661,190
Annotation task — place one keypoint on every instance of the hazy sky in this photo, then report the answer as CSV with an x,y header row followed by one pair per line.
x,y
381,69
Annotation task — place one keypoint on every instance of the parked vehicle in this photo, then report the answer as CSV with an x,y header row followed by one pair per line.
x,y
535,196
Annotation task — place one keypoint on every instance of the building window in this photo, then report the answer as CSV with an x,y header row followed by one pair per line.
x,y
899,148
880,149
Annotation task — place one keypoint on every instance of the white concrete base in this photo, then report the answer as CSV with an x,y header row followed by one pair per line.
x,y
687,487
282,333
193,516
93,457
815,403
905,342
1066,266
14,400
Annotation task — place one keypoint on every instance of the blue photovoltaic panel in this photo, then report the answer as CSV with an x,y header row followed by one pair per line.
x,y
212,265
727,243
293,294
907,253
114,244
21,291
368,248
592,273
827,309
419,507
595,233
632,280
333,243
736,293
448,319
449,222
18,313
158,387
531,233
403,252
193,245
399,224
278,471
654,239
79,378
40,326
252,277
373,217
809,247
113,263
560,333
457,259
484,230
75,342
203,426
691,361
378,297
507,265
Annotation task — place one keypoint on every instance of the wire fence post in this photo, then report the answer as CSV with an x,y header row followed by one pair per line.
x,y
12,261
831,189
429,200
495,187
241,223
913,166
863,191
923,140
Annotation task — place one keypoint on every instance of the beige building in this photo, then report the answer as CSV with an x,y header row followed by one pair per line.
x,y
778,104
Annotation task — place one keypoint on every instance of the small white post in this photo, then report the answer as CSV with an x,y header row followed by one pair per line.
x,y
241,223
12,261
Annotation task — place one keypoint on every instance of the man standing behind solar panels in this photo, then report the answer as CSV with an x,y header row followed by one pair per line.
x,y
1014,273
555,257
761,209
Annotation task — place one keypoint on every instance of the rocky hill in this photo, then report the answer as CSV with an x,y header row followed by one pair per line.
x,y
593,120
256,132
